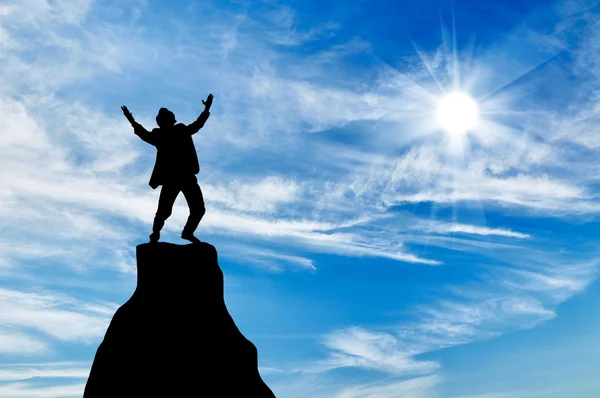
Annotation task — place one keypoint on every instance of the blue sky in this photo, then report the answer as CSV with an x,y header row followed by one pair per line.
x,y
366,251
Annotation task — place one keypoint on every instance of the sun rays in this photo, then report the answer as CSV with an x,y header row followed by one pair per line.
x,y
461,102
466,115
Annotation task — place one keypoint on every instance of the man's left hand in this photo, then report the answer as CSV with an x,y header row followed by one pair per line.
x,y
208,101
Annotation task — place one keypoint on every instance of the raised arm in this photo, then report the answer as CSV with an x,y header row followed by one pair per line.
x,y
138,129
199,123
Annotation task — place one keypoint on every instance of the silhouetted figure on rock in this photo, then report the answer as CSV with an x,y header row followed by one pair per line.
x,y
176,166
174,337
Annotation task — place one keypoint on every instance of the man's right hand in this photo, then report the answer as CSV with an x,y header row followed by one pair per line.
x,y
128,114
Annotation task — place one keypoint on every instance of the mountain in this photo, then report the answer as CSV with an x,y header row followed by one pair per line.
x,y
174,337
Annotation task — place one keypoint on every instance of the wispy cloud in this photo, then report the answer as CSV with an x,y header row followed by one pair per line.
x,y
27,371
30,390
50,312
272,260
262,196
421,387
476,230
16,342
356,347
515,300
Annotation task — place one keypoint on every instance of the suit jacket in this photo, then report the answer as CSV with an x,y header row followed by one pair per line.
x,y
176,158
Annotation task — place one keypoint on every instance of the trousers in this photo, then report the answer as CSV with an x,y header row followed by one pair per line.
x,y
193,196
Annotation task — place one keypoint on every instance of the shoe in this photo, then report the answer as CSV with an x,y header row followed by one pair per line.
x,y
190,236
154,237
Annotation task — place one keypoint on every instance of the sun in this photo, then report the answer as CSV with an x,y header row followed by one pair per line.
x,y
457,113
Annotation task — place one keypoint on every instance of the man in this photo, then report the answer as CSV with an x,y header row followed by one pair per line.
x,y
176,166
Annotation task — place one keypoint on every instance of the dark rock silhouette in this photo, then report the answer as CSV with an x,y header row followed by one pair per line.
x,y
174,337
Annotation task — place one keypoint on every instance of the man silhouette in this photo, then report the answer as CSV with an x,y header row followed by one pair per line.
x,y
176,166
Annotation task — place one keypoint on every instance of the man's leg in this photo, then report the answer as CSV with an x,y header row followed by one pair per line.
x,y
195,201
168,194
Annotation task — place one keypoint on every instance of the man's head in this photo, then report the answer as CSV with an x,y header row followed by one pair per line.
x,y
165,118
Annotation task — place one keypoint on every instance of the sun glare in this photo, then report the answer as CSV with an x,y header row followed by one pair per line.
x,y
457,113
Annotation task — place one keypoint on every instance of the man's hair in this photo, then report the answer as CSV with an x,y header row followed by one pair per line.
x,y
164,117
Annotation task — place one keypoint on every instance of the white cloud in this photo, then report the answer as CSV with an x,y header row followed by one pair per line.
x,y
49,313
356,347
509,299
283,29
421,387
26,371
261,196
16,342
472,229
269,259
422,175
556,281
29,390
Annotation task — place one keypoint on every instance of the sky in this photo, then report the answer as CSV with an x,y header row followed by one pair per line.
x,y
367,251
